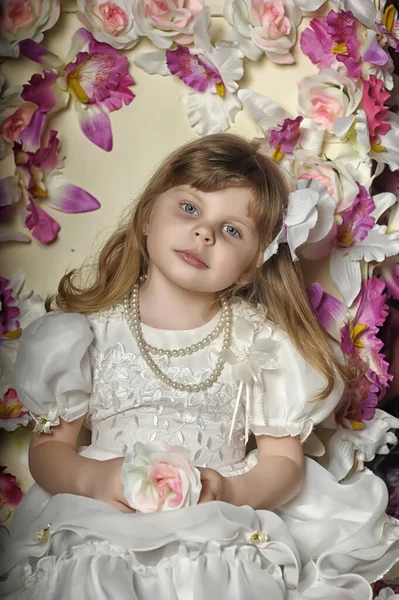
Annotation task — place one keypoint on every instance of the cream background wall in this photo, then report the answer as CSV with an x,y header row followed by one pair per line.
x,y
144,133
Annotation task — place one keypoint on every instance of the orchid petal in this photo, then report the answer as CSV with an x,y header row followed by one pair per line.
x,y
32,134
44,228
152,62
202,38
208,113
38,53
10,235
346,274
95,125
382,202
389,144
265,113
81,38
70,198
228,59
330,311
393,221
375,55
376,245
246,45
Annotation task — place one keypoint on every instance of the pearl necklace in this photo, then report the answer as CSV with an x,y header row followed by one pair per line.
x,y
132,311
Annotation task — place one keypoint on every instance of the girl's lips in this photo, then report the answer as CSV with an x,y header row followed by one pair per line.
x,y
191,259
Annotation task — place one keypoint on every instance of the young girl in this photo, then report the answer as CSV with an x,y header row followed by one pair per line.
x,y
187,335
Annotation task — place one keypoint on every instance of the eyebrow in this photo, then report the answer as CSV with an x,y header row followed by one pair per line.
x,y
196,195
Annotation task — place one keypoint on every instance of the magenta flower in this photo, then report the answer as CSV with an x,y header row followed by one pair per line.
x,y
287,136
329,311
340,35
10,494
40,177
359,336
9,311
12,412
356,220
373,99
358,404
317,43
43,227
97,80
194,70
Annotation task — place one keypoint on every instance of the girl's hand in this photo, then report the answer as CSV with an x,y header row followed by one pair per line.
x,y
214,486
107,484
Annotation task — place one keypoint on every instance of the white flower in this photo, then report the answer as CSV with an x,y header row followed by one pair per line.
x,y
166,21
355,129
309,218
25,20
211,74
249,356
264,26
345,445
110,22
327,96
389,152
44,423
158,477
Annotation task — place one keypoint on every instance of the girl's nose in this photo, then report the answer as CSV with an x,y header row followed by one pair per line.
x,y
206,234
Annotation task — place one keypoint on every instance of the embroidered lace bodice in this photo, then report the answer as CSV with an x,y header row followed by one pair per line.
x,y
75,365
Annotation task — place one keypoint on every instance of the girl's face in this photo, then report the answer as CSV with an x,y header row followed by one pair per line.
x,y
202,241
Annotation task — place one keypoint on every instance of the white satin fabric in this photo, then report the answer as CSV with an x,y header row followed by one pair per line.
x,y
328,543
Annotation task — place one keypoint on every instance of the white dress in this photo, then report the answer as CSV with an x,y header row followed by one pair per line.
x,y
328,543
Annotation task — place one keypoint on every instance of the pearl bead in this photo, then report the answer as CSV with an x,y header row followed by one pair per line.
x,y
133,321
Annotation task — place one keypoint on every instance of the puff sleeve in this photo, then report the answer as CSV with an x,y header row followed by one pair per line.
x,y
284,404
52,372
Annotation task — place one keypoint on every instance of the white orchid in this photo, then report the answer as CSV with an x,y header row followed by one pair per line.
x,y
309,218
388,152
210,71
359,237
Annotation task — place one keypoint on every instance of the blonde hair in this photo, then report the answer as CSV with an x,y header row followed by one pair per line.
x,y
210,164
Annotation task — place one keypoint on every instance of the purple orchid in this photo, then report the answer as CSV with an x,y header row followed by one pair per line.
x,y
358,337
96,77
9,311
287,136
356,329
194,70
39,177
339,35
356,220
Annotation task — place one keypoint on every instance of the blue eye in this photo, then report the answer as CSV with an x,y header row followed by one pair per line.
x,y
232,231
189,208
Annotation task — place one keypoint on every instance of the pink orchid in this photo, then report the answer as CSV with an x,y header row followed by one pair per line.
x,y
10,494
358,404
286,137
194,70
43,227
358,337
40,177
97,80
356,220
12,412
356,329
340,35
373,98
9,311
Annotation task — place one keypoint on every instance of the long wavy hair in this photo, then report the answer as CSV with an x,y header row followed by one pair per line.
x,y
211,164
